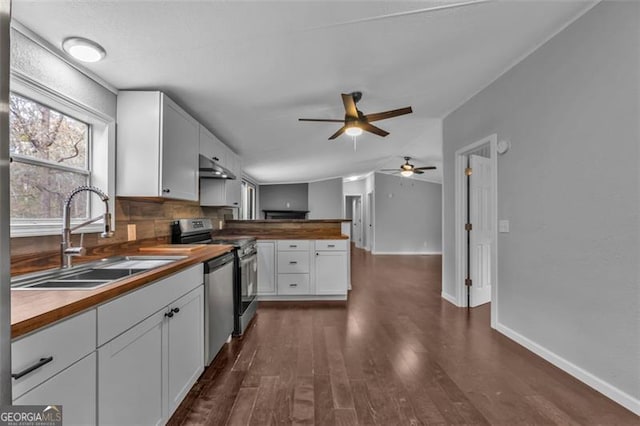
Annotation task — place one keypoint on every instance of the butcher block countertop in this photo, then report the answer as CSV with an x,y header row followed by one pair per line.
x,y
33,309
287,229
293,235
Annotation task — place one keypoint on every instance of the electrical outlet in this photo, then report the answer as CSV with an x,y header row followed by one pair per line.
x,y
131,232
220,223
503,226
288,205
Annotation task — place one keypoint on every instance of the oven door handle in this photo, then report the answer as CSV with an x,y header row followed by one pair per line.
x,y
248,259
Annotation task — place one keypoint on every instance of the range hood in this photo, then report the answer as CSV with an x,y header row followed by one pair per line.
x,y
209,169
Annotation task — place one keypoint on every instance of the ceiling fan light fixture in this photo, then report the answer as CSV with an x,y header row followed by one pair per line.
x,y
83,49
353,130
406,173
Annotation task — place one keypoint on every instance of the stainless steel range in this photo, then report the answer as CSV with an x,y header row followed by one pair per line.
x,y
198,231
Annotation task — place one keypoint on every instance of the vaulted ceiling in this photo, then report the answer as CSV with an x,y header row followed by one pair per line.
x,y
249,70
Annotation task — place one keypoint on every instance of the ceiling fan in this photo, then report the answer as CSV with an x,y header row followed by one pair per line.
x,y
355,122
407,169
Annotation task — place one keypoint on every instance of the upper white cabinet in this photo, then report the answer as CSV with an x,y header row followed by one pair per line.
x,y
220,192
157,147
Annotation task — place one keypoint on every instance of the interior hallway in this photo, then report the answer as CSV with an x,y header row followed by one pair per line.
x,y
394,354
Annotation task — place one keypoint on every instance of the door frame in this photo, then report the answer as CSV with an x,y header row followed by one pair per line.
x,y
461,161
356,198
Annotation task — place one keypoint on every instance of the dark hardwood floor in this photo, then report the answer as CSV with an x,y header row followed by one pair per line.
x,y
394,354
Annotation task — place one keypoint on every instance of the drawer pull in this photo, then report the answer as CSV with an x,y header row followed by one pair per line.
x,y
331,245
169,314
293,262
175,310
293,285
292,246
35,366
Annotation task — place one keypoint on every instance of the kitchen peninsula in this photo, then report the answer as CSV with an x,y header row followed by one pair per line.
x,y
299,259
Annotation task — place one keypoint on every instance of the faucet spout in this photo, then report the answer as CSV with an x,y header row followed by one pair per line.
x,y
66,250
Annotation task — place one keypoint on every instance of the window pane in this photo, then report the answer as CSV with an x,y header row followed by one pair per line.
x,y
41,132
39,192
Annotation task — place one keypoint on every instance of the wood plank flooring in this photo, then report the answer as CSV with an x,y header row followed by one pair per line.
x,y
394,354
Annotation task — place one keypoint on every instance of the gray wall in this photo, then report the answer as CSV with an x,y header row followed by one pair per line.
x,y
408,215
276,197
568,273
326,199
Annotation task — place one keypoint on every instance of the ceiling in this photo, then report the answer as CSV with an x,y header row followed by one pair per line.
x,y
249,70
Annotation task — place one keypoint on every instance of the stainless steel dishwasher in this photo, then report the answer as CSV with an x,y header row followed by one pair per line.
x,y
218,310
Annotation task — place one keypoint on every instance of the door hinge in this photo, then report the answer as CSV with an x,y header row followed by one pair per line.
x,y
468,227
468,282
468,171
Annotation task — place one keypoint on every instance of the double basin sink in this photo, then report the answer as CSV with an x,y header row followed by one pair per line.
x,y
92,275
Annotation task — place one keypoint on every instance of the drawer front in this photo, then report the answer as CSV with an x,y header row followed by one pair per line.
x,y
123,313
293,262
293,245
65,342
332,245
293,284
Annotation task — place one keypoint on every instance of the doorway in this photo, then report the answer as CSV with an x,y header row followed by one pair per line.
x,y
369,245
353,211
476,202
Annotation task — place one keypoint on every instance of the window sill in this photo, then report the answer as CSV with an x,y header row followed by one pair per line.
x,y
41,229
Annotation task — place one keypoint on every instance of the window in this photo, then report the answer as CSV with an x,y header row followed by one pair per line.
x,y
248,207
50,157
55,145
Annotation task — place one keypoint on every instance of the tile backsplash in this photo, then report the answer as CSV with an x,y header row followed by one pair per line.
x,y
152,219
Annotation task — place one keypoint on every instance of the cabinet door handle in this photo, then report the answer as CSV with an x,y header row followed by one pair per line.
x,y
35,366
175,310
169,314
331,245
293,262
293,285
166,190
215,158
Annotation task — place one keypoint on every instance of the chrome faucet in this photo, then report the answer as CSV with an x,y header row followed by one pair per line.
x,y
67,252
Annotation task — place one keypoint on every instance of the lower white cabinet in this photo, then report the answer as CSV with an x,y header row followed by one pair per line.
x,y
73,388
144,373
130,375
331,272
185,353
266,268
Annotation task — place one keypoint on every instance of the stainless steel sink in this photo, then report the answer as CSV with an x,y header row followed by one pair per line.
x,y
91,275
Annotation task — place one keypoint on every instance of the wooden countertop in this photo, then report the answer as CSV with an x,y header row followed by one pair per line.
x,y
33,309
289,220
292,236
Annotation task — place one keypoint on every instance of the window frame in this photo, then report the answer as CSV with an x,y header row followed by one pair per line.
x,y
100,146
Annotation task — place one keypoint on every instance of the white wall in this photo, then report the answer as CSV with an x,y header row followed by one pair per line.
x,y
408,216
568,274
294,196
326,199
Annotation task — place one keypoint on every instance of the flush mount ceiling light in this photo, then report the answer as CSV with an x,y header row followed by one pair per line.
x,y
83,50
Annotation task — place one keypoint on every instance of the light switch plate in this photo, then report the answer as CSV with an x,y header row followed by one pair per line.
x,y
503,226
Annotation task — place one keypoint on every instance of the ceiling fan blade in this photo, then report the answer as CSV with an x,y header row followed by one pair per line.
x,y
389,170
388,114
417,172
324,120
349,105
338,133
425,168
373,129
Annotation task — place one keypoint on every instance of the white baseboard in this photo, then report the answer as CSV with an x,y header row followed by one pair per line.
x,y
605,388
409,253
449,298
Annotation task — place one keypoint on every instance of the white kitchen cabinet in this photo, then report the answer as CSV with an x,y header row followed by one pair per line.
x,y
157,147
73,388
223,192
266,267
331,272
156,361
331,267
130,375
185,352
212,148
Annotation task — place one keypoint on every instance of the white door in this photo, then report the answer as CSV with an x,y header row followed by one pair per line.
x,y
130,376
185,360
331,272
482,229
73,388
369,223
357,221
